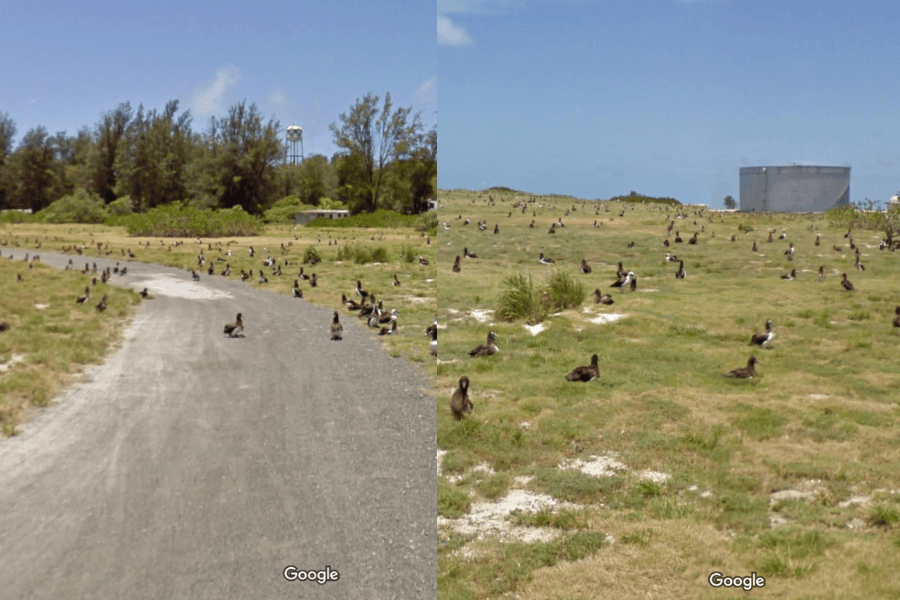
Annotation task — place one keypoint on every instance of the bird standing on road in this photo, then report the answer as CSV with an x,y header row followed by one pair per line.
x,y
337,330
236,328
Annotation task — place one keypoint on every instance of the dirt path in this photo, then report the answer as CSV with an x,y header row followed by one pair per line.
x,y
193,465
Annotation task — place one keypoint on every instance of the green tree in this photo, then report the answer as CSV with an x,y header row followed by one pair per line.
x,y
375,139
238,159
151,160
730,204
109,131
7,139
34,172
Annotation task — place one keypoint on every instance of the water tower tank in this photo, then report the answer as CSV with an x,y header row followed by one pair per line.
x,y
794,188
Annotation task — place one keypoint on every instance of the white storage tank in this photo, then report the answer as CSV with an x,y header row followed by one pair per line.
x,y
794,188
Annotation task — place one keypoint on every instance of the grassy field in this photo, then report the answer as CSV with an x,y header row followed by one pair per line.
x,y
791,475
50,337
372,256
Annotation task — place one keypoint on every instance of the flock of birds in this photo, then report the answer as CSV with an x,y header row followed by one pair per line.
x,y
460,403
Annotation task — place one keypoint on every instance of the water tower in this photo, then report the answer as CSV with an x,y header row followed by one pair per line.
x,y
294,136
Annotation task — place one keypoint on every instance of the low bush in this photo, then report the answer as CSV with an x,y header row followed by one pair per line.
x,y
177,220
78,207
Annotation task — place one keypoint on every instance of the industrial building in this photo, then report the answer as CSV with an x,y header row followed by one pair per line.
x,y
794,188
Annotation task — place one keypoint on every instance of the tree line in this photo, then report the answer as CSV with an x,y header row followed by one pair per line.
x,y
147,158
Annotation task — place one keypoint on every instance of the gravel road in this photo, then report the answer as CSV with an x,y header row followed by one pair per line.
x,y
194,465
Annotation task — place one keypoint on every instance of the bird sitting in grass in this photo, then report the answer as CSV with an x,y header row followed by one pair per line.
x,y
101,306
488,348
586,373
392,330
298,293
747,372
896,320
761,339
85,298
236,328
144,293
460,404
845,283
601,298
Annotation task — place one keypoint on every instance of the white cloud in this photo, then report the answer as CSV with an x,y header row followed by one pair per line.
x,y
450,34
427,92
208,97
277,98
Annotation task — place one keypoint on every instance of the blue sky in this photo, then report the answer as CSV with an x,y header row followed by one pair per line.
x,y
66,63
596,98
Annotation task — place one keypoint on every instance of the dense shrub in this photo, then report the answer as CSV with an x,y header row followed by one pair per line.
x,y
380,218
520,300
563,291
427,222
176,220
16,216
285,210
362,255
311,256
120,206
79,207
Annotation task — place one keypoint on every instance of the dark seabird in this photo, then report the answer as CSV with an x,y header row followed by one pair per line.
x,y
102,305
586,373
761,339
845,283
488,348
456,266
821,276
144,293
194,276
585,267
460,403
790,276
359,291
396,282
896,320
392,330
236,328
350,303
337,330
601,298
85,298
298,293
746,372
545,261
313,282
680,273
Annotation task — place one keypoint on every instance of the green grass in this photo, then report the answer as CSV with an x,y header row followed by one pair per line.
x,y
821,414
51,338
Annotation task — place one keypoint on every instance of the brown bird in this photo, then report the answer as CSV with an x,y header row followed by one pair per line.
x,y
298,293
456,265
236,328
337,330
896,320
396,282
761,339
144,293
586,373
102,305
85,298
488,348
313,282
680,273
4,326
821,276
747,372
460,403
601,298
790,276
845,283
585,267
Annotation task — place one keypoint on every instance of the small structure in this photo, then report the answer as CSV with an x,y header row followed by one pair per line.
x,y
794,188
302,218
